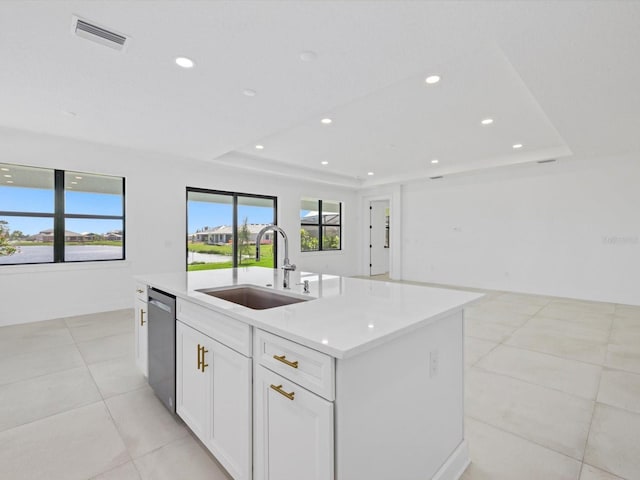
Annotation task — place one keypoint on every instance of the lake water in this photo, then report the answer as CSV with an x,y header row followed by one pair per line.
x,y
44,254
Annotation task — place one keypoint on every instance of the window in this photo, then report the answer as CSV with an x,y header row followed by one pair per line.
x,y
222,229
320,225
54,216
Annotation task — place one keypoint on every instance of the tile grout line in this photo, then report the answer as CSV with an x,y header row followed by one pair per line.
x,y
595,403
524,438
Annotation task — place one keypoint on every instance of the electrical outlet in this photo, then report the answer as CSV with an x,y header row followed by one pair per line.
x,y
433,363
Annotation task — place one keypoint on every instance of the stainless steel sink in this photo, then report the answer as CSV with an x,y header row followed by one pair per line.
x,y
252,297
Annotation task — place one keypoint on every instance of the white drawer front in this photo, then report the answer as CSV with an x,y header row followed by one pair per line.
x,y
141,291
228,331
306,367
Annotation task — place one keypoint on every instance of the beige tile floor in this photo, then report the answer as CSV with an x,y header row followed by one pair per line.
x,y
552,392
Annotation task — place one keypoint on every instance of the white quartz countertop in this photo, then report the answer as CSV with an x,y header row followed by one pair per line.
x,y
346,316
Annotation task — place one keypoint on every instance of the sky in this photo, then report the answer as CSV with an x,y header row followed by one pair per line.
x,y
200,214
33,200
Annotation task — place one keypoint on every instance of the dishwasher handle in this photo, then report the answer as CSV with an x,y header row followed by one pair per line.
x,y
160,305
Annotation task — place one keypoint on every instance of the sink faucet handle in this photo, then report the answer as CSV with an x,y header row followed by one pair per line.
x,y
289,266
306,285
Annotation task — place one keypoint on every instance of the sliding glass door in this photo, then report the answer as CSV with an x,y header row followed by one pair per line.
x,y
222,229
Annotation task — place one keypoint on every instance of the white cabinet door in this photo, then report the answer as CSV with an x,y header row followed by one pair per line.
x,y
193,379
293,431
142,353
229,437
213,397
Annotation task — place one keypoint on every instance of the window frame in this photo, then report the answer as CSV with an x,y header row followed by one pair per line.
x,y
59,216
236,224
320,225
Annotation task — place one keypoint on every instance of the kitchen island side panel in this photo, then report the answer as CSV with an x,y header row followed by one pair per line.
x,y
399,407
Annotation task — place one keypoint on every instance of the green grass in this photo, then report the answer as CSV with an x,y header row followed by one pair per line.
x,y
227,249
264,262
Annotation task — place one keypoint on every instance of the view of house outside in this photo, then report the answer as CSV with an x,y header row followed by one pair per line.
x,y
27,207
210,236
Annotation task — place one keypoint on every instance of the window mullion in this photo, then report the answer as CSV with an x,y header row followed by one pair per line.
x,y
234,231
58,217
320,225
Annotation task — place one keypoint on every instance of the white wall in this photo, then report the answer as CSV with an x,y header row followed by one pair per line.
x,y
155,224
570,228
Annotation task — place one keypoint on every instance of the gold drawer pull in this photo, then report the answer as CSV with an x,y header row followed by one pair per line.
x,y
139,290
283,359
278,388
142,322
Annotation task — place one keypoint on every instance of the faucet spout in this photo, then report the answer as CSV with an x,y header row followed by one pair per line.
x,y
287,267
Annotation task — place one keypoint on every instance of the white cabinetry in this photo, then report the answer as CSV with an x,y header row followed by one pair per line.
x,y
293,430
141,335
293,423
213,386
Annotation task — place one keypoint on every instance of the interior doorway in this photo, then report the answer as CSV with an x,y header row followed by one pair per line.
x,y
379,236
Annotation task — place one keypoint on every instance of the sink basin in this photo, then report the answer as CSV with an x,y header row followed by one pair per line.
x,y
253,297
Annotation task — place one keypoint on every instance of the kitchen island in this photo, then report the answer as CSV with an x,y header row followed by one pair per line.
x,y
360,380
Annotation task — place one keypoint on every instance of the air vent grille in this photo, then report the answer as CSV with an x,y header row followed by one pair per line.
x,y
436,178
98,34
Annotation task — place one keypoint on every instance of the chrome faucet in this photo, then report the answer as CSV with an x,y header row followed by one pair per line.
x,y
287,267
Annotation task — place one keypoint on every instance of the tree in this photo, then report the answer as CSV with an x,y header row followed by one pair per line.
x,y
16,235
244,235
308,243
5,247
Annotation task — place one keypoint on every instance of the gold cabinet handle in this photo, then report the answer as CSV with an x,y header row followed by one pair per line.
x,y
139,290
204,365
278,388
201,352
142,320
283,359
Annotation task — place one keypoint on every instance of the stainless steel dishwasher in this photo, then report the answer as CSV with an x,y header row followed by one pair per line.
x,y
162,346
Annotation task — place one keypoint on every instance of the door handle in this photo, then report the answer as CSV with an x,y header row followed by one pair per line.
x,y
142,321
201,352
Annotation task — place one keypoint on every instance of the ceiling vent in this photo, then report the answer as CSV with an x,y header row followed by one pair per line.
x,y
95,33
436,178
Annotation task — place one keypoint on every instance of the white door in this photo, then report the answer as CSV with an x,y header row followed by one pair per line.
x,y
293,431
142,337
379,237
193,385
229,437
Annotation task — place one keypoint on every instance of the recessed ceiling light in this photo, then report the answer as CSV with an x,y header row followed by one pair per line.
x,y
4,169
185,62
9,181
249,93
7,176
74,183
324,162
308,56
487,121
431,79
371,325
326,121
435,160
259,147
517,145
370,173
325,341
78,178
